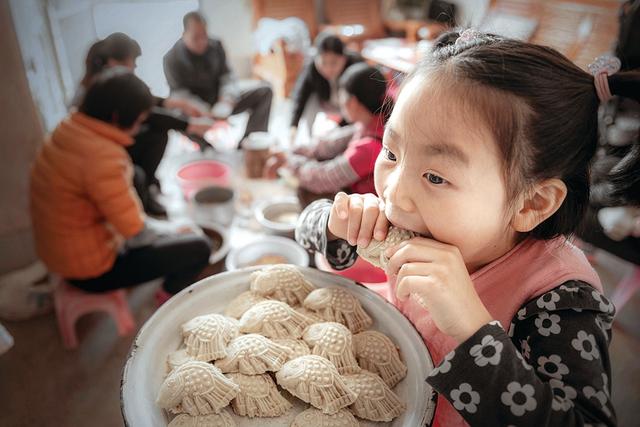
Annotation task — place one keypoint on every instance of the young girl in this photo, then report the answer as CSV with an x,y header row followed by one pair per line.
x,y
486,156
334,165
87,221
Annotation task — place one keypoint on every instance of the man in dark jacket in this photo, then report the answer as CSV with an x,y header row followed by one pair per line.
x,y
196,66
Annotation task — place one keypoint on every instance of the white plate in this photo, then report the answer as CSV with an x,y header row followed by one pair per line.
x,y
267,245
146,365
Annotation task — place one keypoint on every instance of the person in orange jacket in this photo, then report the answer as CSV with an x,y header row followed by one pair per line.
x,y
88,222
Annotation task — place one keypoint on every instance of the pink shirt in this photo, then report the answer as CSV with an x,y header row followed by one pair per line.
x,y
362,153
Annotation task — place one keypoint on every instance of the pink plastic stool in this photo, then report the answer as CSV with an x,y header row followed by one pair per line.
x,y
629,285
72,303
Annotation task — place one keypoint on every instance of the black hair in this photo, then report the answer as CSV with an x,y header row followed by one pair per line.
x,y
327,42
193,16
118,97
367,84
542,111
118,46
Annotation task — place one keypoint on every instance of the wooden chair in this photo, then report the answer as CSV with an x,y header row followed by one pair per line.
x,y
354,20
280,67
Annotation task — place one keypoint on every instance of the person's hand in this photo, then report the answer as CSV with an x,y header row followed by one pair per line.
x,y
275,161
357,218
189,108
199,125
435,274
222,109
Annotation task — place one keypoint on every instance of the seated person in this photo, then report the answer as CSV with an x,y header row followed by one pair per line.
x,y
88,224
319,78
118,49
362,101
196,66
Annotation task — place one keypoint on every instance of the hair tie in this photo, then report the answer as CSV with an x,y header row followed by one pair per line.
x,y
468,35
603,67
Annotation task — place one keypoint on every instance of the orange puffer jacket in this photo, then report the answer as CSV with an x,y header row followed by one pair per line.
x,y
82,199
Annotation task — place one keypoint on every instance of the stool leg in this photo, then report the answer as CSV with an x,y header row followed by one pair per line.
x,y
629,285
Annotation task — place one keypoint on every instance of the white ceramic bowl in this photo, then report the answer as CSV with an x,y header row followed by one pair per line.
x,y
267,245
146,365
267,214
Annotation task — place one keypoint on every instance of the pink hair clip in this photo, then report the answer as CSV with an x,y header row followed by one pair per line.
x,y
468,35
603,67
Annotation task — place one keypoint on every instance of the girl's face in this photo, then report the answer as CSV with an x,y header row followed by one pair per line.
x,y
440,174
330,65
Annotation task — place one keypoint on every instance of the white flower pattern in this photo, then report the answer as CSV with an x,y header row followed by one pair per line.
x,y
519,398
526,349
598,396
548,324
552,366
445,365
487,352
465,399
563,395
586,345
603,304
548,301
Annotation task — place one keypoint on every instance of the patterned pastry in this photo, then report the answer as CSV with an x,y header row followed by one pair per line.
x,y
315,418
378,354
242,303
283,282
376,401
374,252
197,388
338,305
315,380
253,354
315,317
223,419
296,348
274,319
333,341
258,397
207,336
177,358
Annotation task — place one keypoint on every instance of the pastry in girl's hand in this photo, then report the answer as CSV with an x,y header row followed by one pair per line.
x,y
283,282
312,417
242,303
334,342
197,388
374,252
258,397
315,380
296,348
274,319
253,354
376,353
376,401
207,336
223,419
338,305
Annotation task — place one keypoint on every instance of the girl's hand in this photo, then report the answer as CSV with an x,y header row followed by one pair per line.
x,y
436,275
357,218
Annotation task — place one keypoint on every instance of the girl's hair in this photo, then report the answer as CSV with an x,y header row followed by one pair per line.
x,y
541,108
367,84
118,97
328,42
118,46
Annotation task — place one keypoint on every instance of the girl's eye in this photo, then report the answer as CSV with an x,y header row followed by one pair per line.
x,y
388,154
434,179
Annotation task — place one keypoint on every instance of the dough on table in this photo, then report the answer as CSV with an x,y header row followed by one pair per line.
x,y
313,417
206,336
283,282
258,396
274,319
378,354
374,252
223,419
376,401
333,341
253,354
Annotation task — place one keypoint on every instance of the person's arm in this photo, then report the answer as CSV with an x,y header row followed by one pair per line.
x,y
109,187
164,119
329,176
311,233
552,369
229,90
175,72
333,144
301,93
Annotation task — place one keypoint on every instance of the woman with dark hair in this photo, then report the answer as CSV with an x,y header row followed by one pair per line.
x,y
330,166
320,77
87,220
118,49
